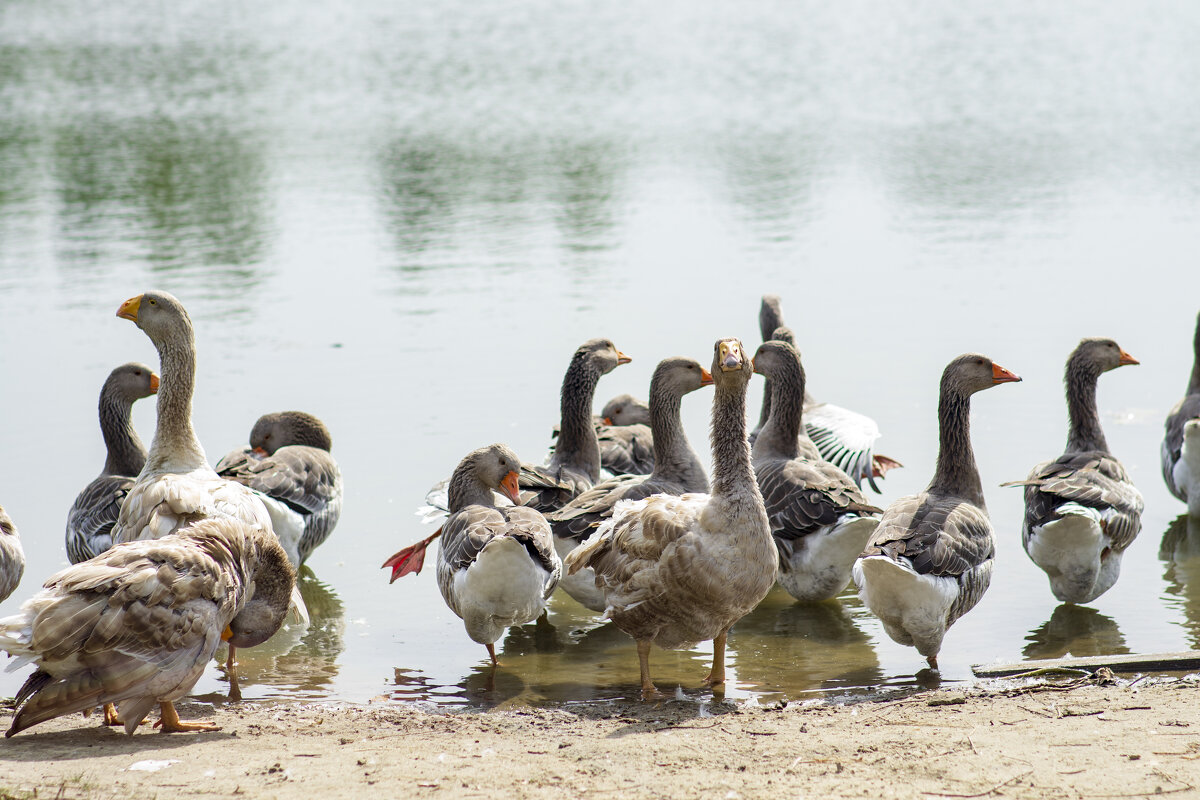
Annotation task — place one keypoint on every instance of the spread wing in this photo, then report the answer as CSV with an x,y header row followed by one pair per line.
x,y
845,438
91,519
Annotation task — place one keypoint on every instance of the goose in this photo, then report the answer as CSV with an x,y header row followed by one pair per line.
x,y
496,566
1181,443
90,520
1081,509
623,433
930,559
137,624
844,438
177,487
574,462
819,517
289,459
12,556
680,570
677,470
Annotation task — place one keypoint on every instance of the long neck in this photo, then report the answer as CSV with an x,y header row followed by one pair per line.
x,y
956,472
577,443
765,413
1194,381
466,489
126,453
732,471
673,454
1085,432
780,436
175,441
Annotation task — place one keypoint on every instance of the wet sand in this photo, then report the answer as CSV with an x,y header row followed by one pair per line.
x,y
1068,738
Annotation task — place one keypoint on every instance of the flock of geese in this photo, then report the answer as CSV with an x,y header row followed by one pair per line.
x,y
171,556
673,558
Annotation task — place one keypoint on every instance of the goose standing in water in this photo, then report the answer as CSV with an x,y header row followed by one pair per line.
x,y
930,559
92,517
137,624
1081,509
819,518
677,470
289,459
12,556
1181,444
496,566
844,438
680,570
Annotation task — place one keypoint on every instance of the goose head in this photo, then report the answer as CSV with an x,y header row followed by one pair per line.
x,y
776,359
731,364
972,372
159,314
678,376
494,467
270,595
1094,356
625,409
131,382
601,354
284,428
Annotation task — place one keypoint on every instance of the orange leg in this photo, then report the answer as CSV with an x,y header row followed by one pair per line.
x,y
716,676
648,690
235,691
171,723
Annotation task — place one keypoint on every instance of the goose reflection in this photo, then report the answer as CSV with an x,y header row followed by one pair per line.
x,y
1077,631
1180,549
300,660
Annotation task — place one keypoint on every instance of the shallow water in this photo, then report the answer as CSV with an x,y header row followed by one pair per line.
x,y
404,218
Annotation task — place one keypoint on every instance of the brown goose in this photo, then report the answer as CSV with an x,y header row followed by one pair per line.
x,y
137,624
1081,509
91,519
930,560
819,517
677,470
12,556
496,566
289,459
1181,443
679,570
844,438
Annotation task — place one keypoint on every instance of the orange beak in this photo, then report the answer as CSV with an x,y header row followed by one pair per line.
x,y
129,309
510,489
1002,375
260,452
622,358
607,421
227,634
153,382
706,378
1127,359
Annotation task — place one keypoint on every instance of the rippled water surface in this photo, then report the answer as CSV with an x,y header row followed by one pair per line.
x,y
403,217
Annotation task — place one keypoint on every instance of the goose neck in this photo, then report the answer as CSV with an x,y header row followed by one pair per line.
x,y
466,489
577,443
126,453
1194,381
779,437
956,473
175,443
1084,433
732,471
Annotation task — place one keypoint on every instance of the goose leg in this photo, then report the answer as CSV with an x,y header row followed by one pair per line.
x,y
932,660
171,723
648,690
491,648
235,690
111,717
716,676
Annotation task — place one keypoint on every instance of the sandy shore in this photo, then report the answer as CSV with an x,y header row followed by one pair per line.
x,y
1070,739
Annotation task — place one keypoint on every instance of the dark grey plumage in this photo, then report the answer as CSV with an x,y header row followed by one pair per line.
x,y
289,459
1180,451
96,508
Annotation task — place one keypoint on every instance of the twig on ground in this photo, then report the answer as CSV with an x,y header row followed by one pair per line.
x,y
985,793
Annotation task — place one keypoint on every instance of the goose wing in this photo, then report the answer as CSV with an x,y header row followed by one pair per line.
x,y
802,497
91,519
1092,479
845,438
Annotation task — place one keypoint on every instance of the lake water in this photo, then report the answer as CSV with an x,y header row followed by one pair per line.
x,y
404,217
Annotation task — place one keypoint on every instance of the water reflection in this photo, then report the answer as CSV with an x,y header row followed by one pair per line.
x,y
298,660
1075,631
188,195
1180,549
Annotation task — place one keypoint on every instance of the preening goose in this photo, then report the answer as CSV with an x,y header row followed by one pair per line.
x,y
819,517
625,437
137,624
12,556
677,470
1081,509
289,459
91,519
1181,443
496,566
679,570
844,438
930,560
